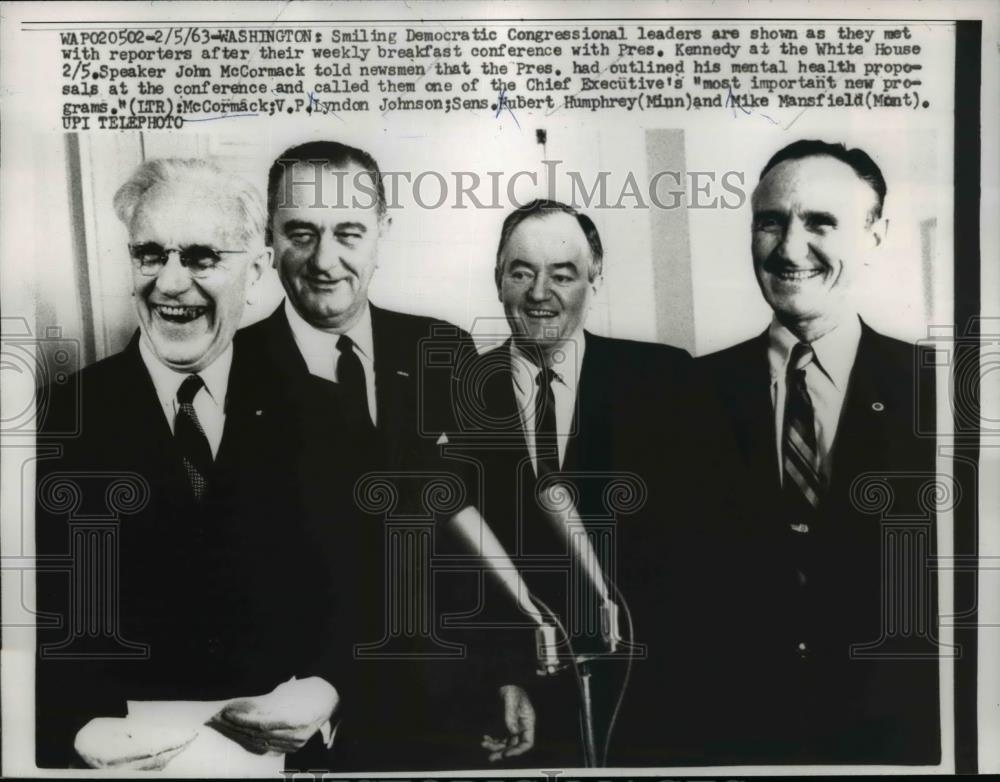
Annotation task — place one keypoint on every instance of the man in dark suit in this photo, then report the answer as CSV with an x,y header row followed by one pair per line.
x,y
623,427
164,572
327,216
834,608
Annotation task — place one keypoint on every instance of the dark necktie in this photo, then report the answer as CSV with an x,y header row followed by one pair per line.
x,y
351,380
546,444
190,437
802,481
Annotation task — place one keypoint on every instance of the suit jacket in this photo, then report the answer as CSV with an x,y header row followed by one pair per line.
x,y
645,440
414,356
146,593
401,697
855,591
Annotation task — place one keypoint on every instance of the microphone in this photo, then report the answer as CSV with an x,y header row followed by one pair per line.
x,y
483,541
556,499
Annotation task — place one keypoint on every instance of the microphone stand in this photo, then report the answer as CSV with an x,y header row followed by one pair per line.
x,y
549,664
587,714
566,519
471,525
609,632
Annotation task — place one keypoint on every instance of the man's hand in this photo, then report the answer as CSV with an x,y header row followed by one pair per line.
x,y
519,718
281,721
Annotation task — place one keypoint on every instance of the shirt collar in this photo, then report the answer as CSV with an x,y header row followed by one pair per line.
x,y
566,363
834,352
168,381
312,340
361,334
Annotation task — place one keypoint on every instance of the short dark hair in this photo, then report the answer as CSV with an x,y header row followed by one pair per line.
x,y
543,207
324,153
859,160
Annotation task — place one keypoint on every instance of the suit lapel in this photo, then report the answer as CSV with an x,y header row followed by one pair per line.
x,y
750,396
594,409
246,412
144,423
139,399
508,403
281,348
395,398
869,409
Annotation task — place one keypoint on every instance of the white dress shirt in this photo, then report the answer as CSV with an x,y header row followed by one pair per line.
x,y
209,403
826,381
566,365
319,349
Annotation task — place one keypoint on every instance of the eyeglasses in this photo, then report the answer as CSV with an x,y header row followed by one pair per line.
x,y
200,260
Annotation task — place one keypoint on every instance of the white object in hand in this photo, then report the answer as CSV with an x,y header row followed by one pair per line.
x,y
123,743
281,721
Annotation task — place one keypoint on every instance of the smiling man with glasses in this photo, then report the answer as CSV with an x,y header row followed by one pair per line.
x,y
204,591
189,291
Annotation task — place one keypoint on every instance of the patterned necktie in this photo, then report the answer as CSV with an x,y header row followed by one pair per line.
x,y
190,437
802,482
351,380
546,444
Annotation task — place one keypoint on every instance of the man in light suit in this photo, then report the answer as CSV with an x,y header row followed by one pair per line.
x,y
624,425
822,405
182,449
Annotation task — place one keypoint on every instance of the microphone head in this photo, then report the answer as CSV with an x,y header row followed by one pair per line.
x,y
609,625
546,647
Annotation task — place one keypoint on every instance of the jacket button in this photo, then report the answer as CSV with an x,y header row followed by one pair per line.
x,y
800,578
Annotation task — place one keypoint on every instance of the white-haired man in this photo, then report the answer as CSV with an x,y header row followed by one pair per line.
x,y
206,569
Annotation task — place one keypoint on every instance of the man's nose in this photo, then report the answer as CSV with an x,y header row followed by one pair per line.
x,y
326,256
539,290
174,278
794,245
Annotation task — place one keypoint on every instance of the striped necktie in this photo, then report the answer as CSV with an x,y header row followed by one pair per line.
x,y
802,481
190,437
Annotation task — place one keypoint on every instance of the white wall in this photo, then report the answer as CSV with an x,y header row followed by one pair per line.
x,y
439,261
728,304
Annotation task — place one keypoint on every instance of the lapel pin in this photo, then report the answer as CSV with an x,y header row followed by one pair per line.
x,y
401,373
878,407
258,412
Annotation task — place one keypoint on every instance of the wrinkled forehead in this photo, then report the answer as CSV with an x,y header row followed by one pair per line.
x,y
548,239
188,213
318,186
814,184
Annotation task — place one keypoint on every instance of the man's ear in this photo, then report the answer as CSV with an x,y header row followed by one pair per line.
x,y
596,284
498,278
878,230
258,264
384,224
